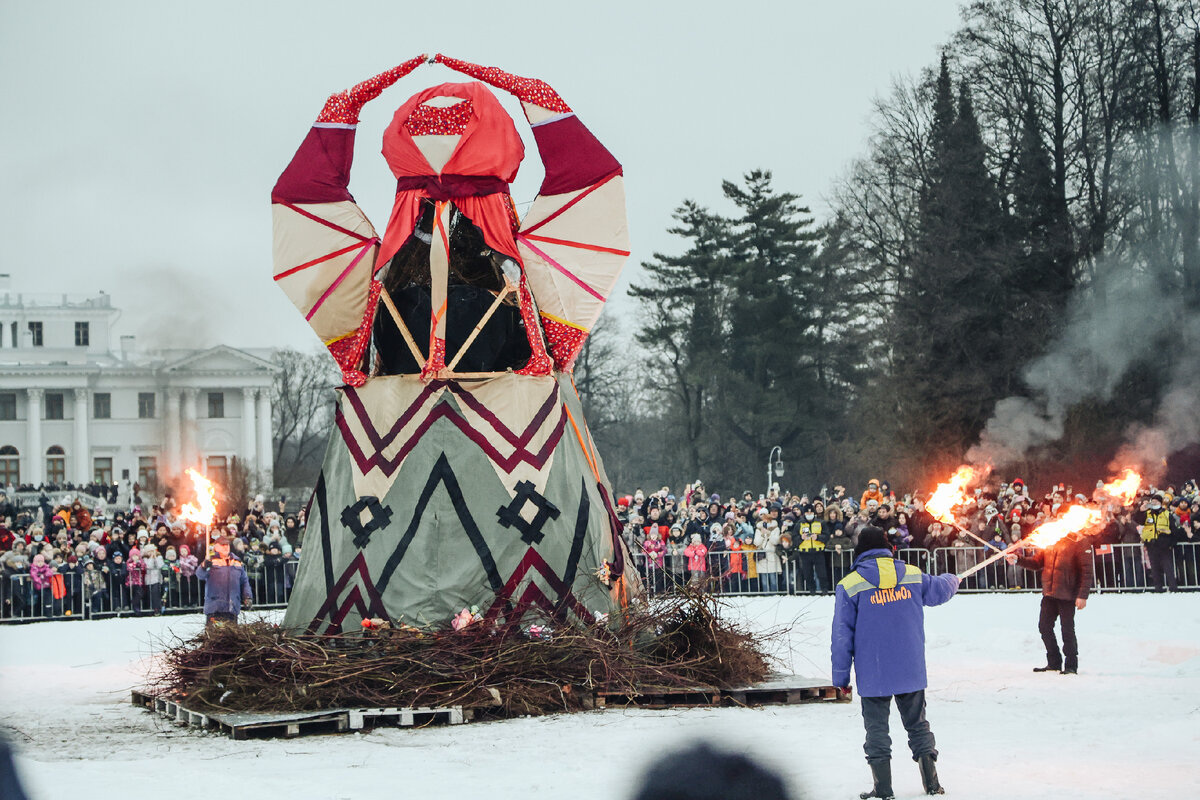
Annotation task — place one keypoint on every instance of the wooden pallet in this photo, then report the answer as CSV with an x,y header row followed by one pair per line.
x,y
786,690
651,697
249,724
776,690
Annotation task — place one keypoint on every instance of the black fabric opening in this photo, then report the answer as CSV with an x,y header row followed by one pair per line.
x,y
475,279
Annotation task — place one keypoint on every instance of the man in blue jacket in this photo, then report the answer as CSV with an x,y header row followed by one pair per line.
x,y
879,626
226,585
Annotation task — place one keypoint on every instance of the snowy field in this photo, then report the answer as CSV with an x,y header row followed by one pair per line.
x,y
1127,727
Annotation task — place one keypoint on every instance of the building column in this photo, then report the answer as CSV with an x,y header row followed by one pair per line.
x,y
33,431
189,427
82,454
266,443
173,433
249,443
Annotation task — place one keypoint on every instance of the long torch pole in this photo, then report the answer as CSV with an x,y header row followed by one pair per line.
x,y
990,559
973,536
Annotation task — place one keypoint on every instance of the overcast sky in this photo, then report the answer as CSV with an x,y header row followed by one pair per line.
x,y
141,139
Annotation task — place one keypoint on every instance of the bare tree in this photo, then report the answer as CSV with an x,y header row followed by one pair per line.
x,y
303,399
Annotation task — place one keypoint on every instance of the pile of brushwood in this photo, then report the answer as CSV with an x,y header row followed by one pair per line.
x,y
680,642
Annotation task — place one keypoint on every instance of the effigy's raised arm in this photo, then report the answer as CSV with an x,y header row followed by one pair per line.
x,y
574,240
325,247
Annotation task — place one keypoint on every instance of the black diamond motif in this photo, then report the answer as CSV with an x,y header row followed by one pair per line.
x,y
381,515
510,515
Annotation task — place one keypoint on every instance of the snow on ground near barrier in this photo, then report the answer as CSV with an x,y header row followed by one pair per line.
x,y
1127,727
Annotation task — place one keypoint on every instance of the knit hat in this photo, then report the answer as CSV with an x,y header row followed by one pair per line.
x,y
871,538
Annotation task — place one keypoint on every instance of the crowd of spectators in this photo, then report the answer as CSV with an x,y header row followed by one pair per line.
x,y
798,543
93,557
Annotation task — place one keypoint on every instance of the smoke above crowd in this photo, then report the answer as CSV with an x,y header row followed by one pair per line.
x,y
1113,323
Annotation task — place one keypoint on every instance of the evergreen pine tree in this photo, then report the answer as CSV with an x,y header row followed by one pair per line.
x,y
766,364
681,328
1042,258
950,359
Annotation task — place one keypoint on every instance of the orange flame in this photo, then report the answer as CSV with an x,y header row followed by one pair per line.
x,y
1124,488
1077,520
206,497
951,494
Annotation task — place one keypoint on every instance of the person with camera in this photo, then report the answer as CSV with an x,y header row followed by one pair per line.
x,y
1159,528
226,587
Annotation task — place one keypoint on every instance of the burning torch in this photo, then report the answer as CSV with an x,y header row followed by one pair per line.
x,y
1077,519
205,510
953,493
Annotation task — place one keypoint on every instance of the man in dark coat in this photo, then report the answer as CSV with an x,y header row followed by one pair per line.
x,y
1067,575
879,626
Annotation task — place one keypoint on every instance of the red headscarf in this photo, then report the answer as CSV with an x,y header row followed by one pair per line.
x,y
475,178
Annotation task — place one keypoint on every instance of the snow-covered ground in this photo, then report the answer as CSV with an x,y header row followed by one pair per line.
x,y
1127,727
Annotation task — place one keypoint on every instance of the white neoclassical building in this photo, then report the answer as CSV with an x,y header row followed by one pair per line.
x,y
74,409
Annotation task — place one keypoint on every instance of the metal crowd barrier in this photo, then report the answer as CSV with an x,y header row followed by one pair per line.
x,y
803,572
1118,568
78,597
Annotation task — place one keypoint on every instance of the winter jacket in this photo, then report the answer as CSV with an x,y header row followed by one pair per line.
x,y
918,525
1067,569
736,564
135,573
767,540
153,567
116,573
187,565
810,535
869,495
226,586
654,549
752,560
14,562
40,575
94,581
879,624
697,556
1158,528
839,539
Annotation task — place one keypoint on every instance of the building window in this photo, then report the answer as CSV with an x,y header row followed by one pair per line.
x,y
217,468
8,406
102,471
54,405
148,473
56,465
216,405
102,405
36,329
145,405
10,465
15,343
82,334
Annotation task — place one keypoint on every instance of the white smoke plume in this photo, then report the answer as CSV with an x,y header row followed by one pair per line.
x,y
1111,325
1176,422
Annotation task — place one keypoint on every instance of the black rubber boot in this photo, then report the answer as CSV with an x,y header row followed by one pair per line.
x,y
881,773
1048,668
929,776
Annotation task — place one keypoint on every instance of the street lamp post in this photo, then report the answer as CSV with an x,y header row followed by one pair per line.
x,y
774,466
